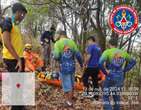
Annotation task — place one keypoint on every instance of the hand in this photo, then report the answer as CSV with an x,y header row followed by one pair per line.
x,y
46,40
41,43
34,60
100,82
107,71
84,66
19,65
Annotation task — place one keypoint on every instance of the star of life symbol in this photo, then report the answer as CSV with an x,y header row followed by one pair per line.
x,y
123,22
123,19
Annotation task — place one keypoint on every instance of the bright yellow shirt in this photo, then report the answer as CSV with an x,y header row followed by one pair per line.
x,y
17,42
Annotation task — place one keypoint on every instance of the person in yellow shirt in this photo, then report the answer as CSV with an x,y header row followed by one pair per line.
x,y
12,39
32,60
12,42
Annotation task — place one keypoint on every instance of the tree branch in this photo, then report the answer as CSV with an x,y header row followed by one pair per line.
x,y
28,3
4,10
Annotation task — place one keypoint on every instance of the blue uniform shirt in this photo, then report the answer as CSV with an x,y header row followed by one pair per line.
x,y
95,52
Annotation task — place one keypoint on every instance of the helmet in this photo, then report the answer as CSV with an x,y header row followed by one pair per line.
x,y
28,46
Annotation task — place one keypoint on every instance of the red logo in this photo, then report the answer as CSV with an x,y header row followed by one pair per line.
x,y
18,85
123,19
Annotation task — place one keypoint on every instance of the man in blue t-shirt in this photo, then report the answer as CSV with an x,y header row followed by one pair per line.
x,y
93,53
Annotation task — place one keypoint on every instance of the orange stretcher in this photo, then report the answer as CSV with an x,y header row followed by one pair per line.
x,y
57,83
77,86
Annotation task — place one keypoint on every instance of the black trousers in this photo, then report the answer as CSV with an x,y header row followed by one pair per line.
x,y
93,73
11,67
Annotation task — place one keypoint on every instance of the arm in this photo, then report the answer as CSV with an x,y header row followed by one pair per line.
x,y
56,51
86,60
102,63
52,38
42,38
130,63
88,55
0,38
29,65
78,54
6,29
79,58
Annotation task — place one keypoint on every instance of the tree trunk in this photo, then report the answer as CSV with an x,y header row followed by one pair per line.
x,y
101,37
129,44
0,8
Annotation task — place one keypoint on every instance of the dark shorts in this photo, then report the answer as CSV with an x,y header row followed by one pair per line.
x,y
93,73
11,65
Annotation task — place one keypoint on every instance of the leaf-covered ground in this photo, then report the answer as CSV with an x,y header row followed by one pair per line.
x,y
51,98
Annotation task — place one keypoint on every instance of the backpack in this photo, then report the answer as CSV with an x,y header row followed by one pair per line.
x,y
2,20
1,23
67,60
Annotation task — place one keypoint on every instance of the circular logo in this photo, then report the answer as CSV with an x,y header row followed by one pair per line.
x,y
123,19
